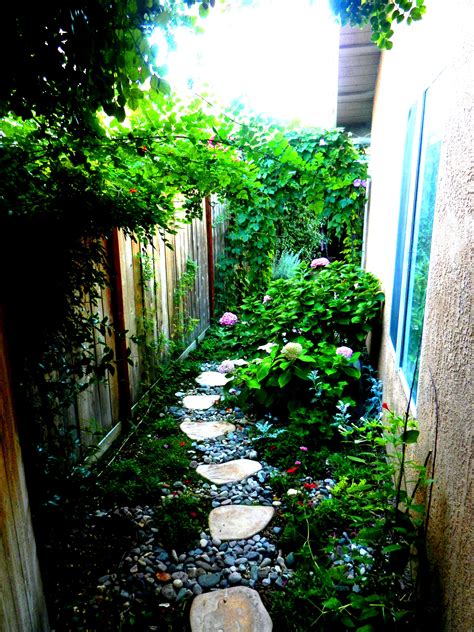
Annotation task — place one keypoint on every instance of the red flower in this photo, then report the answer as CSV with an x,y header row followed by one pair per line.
x,y
133,190
193,514
144,148
310,485
272,447
182,443
385,406
292,470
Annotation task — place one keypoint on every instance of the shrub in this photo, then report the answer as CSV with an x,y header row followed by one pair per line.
x,y
297,375
336,304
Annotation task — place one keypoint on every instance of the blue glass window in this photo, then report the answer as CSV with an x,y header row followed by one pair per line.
x,y
418,201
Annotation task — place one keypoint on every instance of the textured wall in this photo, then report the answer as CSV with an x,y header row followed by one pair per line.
x,y
442,42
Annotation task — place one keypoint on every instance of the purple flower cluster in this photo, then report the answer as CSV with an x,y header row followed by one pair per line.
x,y
320,263
345,351
266,298
226,367
359,183
228,319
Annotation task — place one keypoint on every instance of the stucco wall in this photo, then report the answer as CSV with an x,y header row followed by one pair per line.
x,y
442,42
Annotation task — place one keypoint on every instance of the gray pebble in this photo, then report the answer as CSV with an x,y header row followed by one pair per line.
x,y
234,578
209,580
168,592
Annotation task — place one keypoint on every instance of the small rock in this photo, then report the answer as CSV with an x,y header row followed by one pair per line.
x,y
184,592
210,580
163,577
290,559
234,578
168,592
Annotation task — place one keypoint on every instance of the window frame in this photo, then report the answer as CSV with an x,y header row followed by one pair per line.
x,y
411,200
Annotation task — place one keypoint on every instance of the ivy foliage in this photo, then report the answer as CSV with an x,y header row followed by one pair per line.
x,y
309,200
381,15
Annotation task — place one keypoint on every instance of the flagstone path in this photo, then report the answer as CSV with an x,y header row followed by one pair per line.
x,y
230,472
237,609
238,555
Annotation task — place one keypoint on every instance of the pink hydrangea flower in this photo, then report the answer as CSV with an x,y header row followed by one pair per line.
x,y
303,448
228,319
266,298
226,367
320,263
297,462
345,351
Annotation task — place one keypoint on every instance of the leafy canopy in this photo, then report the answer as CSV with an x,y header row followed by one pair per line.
x,y
66,60
380,14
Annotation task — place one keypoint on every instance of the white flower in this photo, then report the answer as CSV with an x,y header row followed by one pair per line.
x,y
292,492
268,347
292,350
240,362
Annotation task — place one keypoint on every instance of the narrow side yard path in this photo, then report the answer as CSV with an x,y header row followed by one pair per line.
x,y
238,557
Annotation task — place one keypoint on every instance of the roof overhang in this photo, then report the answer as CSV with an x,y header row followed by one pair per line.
x,y
358,68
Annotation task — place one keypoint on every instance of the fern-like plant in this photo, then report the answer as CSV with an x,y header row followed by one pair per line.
x,y
285,266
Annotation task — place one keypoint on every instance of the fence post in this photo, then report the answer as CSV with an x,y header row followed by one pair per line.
x,y
125,398
210,255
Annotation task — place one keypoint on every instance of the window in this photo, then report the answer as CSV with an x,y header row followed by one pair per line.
x,y
417,205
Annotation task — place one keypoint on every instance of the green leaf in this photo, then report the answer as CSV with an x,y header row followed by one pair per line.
x,y
391,548
332,604
263,370
410,436
255,384
284,378
355,459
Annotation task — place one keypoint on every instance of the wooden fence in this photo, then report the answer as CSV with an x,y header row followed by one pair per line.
x,y
147,300
22,605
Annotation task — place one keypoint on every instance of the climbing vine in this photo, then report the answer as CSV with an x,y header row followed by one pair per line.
x,y
310,199
381,15
183,323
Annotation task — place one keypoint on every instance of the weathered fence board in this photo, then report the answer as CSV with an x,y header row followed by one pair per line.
x,y
149,277
22,607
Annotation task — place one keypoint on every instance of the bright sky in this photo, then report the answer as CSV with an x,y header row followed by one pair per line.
x,y
278,57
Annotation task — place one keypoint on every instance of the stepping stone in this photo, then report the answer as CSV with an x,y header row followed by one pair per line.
x,y
198,431
238,609
200,402
230,472
238,522
212,378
